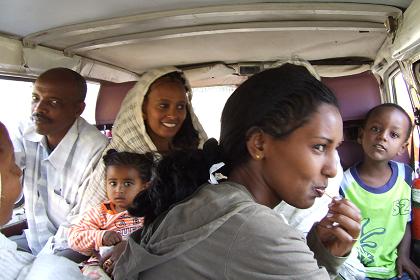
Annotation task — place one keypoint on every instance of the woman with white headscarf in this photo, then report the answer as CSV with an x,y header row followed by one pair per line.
x,y
138,129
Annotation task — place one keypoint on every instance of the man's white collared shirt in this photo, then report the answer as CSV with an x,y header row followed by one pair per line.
x,y
54,181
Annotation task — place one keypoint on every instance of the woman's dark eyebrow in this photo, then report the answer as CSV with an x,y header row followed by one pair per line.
x,y
323,138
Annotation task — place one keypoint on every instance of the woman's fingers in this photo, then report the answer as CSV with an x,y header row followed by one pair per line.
x,y
345,214
340,228
338,232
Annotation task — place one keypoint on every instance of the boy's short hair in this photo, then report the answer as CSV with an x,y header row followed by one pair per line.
x,y
143,163
390,105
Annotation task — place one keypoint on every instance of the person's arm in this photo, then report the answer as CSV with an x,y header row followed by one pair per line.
x,y
322,255
54,267
86,236
108,262
267,248
404,263
15,264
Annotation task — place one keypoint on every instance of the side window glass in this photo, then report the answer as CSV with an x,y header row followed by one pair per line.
x,y
15,102
401,95
90,100
208,103
400,92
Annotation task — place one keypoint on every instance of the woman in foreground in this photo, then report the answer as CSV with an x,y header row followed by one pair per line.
x,y
279,133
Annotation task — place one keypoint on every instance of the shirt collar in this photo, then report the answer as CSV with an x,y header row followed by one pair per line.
x,y
31,135
5,243
60,154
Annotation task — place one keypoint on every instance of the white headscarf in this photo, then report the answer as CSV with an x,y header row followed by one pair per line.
x,y
298,61
129,132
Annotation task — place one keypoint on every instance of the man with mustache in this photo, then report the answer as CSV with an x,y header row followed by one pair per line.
x,y
57,151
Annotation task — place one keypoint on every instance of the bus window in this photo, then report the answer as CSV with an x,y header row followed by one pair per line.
x,y
90,100
208,104
16,103
399,92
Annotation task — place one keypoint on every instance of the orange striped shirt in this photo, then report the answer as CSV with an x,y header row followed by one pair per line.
x,y
86,237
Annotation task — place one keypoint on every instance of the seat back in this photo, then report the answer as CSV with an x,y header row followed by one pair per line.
x,y
108,104
356,95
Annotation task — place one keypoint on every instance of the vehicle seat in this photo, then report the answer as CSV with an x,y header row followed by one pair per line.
x,y
356,95
108,104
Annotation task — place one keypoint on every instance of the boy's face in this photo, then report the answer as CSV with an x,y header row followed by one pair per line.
x,y
123,183
384,135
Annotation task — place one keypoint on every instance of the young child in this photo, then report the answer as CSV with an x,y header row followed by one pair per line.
x,y
109,223
381,189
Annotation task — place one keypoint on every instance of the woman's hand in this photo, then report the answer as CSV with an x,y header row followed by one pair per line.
x,y
108,261
340,228
111,238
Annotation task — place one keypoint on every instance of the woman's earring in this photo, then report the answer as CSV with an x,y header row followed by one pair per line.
x,y
257,156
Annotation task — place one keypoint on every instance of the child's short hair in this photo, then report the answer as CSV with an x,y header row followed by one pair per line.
x,y
390,105
143,163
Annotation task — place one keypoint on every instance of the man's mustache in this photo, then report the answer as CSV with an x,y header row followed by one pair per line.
x,y
40,117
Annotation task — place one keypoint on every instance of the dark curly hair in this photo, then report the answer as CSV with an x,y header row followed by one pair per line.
x,y
143,163
277,101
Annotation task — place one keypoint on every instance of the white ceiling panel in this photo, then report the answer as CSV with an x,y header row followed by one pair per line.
x,y
21,18
136,35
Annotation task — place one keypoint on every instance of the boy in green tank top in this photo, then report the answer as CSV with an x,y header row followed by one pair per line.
x,y
381,188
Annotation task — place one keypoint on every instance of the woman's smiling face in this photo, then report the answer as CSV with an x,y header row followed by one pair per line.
x,y
296,169
164,110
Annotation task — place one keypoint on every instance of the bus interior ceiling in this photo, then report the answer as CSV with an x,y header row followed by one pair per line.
x,y
216,42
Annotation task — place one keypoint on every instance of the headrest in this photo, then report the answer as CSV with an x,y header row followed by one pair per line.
x,y
356,94
109,101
